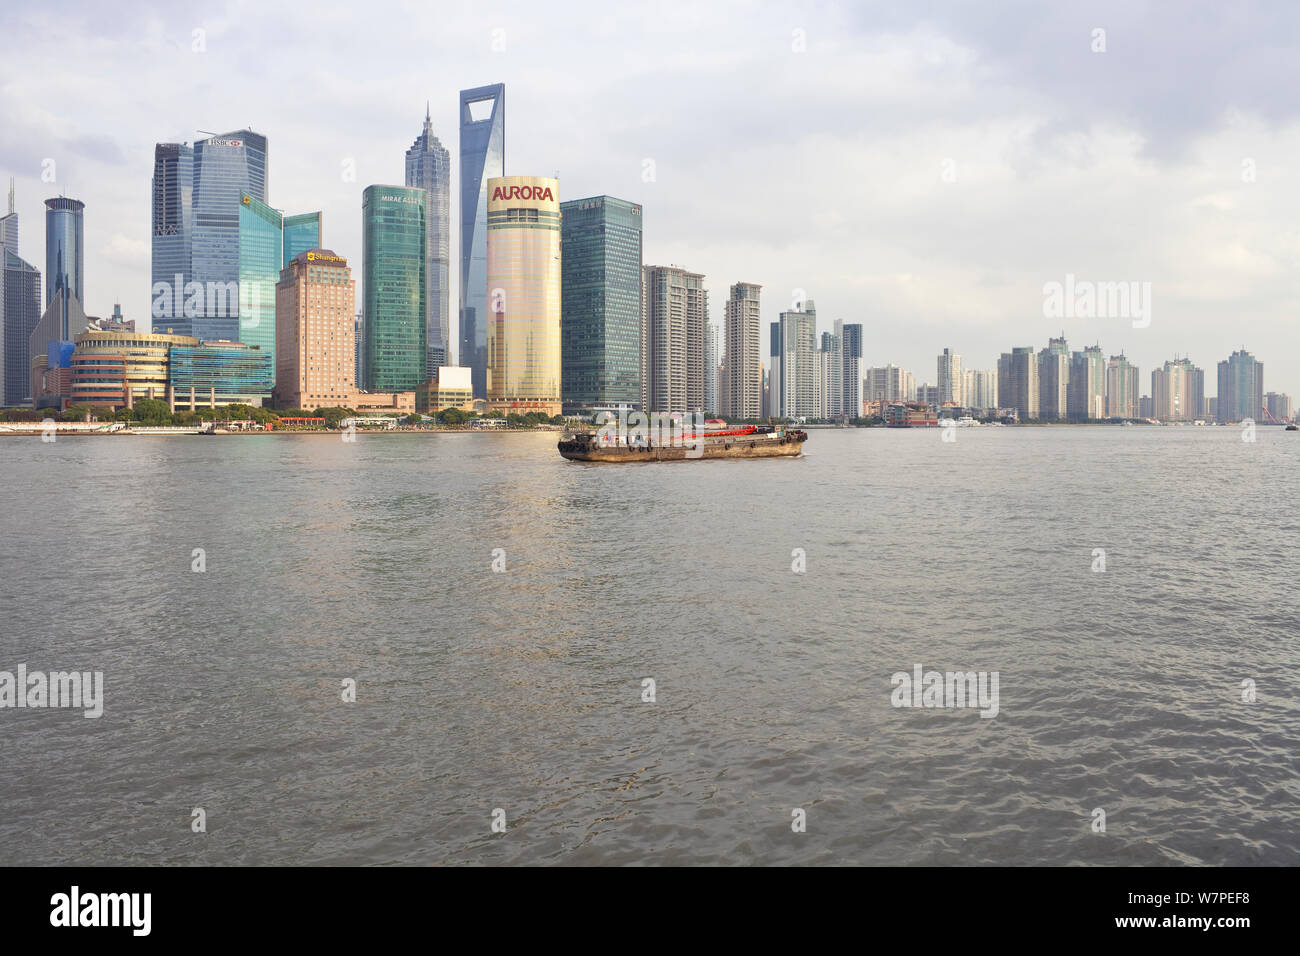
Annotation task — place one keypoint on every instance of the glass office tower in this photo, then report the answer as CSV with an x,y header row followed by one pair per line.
x,y
394,303
64,253
173,202
482,157
428,167
20,311
600,316
523,278
225,169
261,246
302,233
267,241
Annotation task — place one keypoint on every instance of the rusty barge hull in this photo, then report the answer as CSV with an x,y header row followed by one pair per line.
x,y
788,446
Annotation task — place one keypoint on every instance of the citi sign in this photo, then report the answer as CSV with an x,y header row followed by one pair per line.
x,y
539,193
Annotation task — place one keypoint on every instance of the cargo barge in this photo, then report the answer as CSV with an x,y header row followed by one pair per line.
x,y
751,441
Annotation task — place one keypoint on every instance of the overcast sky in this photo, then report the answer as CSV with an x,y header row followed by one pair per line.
x,y
921,168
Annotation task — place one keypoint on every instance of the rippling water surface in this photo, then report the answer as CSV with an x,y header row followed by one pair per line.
x,y
522,690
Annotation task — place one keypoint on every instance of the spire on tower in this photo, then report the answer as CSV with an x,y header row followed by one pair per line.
x,y
11,195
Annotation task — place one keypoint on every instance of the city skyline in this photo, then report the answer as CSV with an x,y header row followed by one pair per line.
x,y
970,217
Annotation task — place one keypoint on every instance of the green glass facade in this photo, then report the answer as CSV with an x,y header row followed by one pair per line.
x,y
600,302
260,248
267,241
394,288
301,234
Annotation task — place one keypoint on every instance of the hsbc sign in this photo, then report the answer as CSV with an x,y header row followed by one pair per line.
x,y
225,142
533,193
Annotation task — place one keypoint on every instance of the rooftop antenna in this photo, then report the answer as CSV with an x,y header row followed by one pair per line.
x,y
11,195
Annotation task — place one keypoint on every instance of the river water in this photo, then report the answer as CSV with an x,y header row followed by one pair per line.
x,y
770,602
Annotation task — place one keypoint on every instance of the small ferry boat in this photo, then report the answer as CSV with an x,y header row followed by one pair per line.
x,y
1293,427
749,441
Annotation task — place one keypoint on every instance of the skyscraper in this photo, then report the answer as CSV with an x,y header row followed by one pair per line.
x,y
796,385
393,288
302,233
1018,382
267,242
830,384
226,168
742,391
850,336
482,157
711,358
1241,388
9,224
950,378
1086,391
675,315
20,311
524,282
173,231
1054,379
197,197
1123,395
315,332
65,258
600,330
428,167
979,389
1177,391
888,383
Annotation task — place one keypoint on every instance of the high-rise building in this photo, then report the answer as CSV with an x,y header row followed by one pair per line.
x,y
198,196
1177,391
20,312
600,315
315,332
1018,382
267,240
850,336
482,157
173,231
225,168
1123,398
1241,388
65,258
1054,380
393,288
1279,406
1086,391
524,282
302,233
9,224
980,389
830,376
951,382
428,167
796,386
888,383
674,317
711,358
742,392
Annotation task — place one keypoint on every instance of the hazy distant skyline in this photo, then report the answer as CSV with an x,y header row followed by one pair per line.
x,y
922,171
